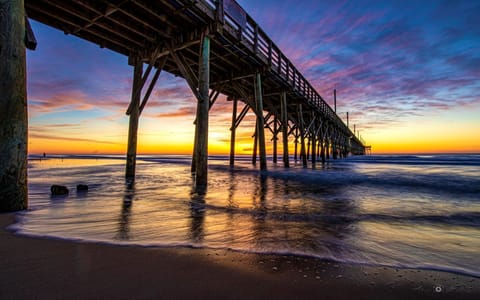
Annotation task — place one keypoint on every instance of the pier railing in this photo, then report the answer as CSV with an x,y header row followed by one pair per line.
x,y
238,23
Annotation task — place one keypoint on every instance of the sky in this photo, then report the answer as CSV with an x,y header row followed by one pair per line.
x,y
408,73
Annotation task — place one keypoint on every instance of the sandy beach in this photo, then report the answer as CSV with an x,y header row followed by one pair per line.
x,y
45,268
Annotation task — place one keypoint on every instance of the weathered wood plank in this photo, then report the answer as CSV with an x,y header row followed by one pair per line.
x,y
203,105
134,118
233,130
284,121
260,122
275,139
13,107
303,152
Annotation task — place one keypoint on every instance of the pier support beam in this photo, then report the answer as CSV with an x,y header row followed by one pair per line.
x,y
334,146
203,105
136,107
319,143
275,139
260,122
255,145
322,150
302,136
327,147
308,148
13,107
212,99
232,133
284,121
199,86
133,121
314,146
324,145
295,156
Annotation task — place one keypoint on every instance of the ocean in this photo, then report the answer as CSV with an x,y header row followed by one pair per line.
x,y
411,211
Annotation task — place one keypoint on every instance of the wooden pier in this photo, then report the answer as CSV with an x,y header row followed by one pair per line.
x,y
216,47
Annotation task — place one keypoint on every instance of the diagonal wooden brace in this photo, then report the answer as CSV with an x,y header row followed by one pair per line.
x,y
186,71
138,90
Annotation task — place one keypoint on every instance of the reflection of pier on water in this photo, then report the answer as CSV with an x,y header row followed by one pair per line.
x,y
124,220
281,215
253,211
197,214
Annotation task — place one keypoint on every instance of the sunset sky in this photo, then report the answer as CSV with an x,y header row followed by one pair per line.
x,y
408,72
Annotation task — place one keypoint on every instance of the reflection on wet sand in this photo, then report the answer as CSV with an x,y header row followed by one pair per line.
x,y
124,220
258,213
197,214
274,218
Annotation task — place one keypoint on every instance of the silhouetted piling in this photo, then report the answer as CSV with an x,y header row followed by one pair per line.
x,y
13,107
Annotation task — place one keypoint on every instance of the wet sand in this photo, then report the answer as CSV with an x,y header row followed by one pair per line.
x,y
47,268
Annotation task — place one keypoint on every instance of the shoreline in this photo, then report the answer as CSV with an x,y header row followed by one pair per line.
x,y
44,268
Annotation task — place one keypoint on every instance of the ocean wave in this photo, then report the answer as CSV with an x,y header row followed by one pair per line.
x,y
468,219
444,182
331,256
345,216
445,160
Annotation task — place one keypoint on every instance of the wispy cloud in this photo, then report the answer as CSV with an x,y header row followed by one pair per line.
x,y
391,58
68,100
180,112
66,138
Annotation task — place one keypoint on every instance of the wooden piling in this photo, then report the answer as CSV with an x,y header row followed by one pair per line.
x,y
13,107
275,133
134,117
341,150
327,147
302,136
334,146
203,104
260,122
295,156
284,120
308,148
323,143
255,145
321,150
335,100
314,146
232,132
319,142
193,166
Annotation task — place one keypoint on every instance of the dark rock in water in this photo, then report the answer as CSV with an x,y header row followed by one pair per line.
x,y
82,187
59,190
